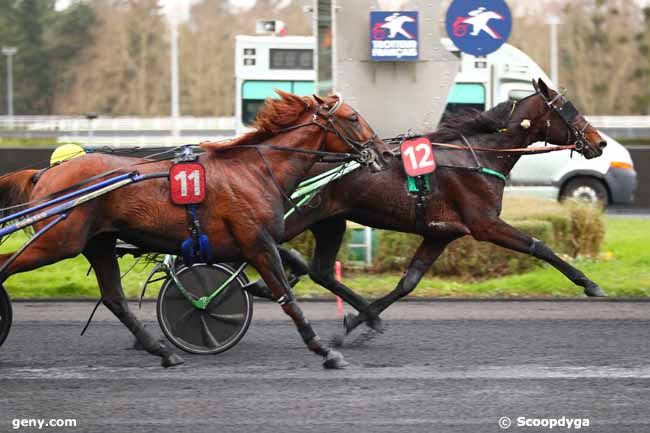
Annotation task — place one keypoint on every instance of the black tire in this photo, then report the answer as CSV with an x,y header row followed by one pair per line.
x,y
217,328
588,189
6,314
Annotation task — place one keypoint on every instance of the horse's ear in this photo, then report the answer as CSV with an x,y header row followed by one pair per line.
x,y
535,85
318,99
543,88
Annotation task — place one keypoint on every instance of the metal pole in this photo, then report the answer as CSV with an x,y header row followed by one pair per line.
x,y
553,22
368,236
324,31
10,86
10,52
175,110
91,127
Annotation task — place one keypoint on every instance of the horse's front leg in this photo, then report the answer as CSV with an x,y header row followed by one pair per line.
x,y
427,253
329,236
266,260
501,233
291,259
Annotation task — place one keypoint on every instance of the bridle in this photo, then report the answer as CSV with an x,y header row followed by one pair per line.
x,y
570,116
332,125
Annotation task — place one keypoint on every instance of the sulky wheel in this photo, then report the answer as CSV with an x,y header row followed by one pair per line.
x,y
5,314
213,330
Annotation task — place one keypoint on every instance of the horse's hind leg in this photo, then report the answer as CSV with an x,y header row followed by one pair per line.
x,y
100,253
267,262
427,253
504,235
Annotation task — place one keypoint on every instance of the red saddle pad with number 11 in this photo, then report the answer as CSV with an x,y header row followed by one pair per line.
x,y
417,157
187,183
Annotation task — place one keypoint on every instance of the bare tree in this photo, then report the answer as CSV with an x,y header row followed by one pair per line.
x,y
208,50
126,71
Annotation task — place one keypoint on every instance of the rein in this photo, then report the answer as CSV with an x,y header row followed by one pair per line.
x,y
324,156
88,180
515,151
363,154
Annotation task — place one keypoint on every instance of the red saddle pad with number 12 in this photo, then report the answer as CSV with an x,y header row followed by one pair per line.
x,y
417,157
187,183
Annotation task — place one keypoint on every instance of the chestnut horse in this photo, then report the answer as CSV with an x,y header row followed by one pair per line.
x,y
247,180
463,201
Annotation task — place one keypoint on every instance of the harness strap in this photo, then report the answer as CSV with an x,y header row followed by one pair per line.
x,y
491,172
276,183
482,170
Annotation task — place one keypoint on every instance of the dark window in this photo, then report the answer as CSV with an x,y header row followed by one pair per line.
x,y
249,110
291,59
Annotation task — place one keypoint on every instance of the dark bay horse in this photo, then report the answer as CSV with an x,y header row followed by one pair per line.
x,y
462,202
247,181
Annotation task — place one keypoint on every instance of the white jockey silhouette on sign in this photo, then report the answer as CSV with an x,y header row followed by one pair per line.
x,y
395,25
479,19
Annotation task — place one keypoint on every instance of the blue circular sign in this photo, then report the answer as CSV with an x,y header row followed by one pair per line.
x,y
479,27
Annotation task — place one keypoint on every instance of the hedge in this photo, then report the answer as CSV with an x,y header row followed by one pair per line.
x,y
464,257
574,229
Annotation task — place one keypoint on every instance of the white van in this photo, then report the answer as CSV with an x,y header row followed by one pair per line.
x,y
264,63
484,82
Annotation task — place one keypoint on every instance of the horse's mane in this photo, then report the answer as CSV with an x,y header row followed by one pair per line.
x,y
274,115
471,122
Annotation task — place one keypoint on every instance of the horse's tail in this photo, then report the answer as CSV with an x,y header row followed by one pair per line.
x,y
15,189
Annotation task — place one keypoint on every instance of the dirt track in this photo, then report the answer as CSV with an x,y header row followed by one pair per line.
x,y
449,366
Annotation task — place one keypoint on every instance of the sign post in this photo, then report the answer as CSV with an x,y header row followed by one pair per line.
x,y
479,28
390,64
394,36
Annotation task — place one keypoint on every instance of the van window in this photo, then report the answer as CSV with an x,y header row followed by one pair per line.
x,y
465,96
254,92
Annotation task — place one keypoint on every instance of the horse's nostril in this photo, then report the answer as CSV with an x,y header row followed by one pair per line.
x,y
387,155
602,144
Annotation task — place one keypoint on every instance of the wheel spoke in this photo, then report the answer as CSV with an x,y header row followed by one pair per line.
x,y
231,319
182,319
207,334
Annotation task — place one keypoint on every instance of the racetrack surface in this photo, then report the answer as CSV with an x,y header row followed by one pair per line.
x,y
439,367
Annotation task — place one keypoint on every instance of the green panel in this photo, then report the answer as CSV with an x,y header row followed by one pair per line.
x,y
358,236
467,93
264,89
303,88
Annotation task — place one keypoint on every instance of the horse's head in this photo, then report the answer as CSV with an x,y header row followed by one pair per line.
x,y
559,122
347,131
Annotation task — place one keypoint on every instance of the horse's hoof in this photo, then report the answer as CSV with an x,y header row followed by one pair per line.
x,y
171,360
595,291
137,345
337,341
334,360
376,325
350,321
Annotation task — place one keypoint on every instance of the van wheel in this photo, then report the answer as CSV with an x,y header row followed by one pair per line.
x,y
587,189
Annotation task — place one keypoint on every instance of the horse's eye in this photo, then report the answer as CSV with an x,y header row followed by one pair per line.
x,y
353,118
